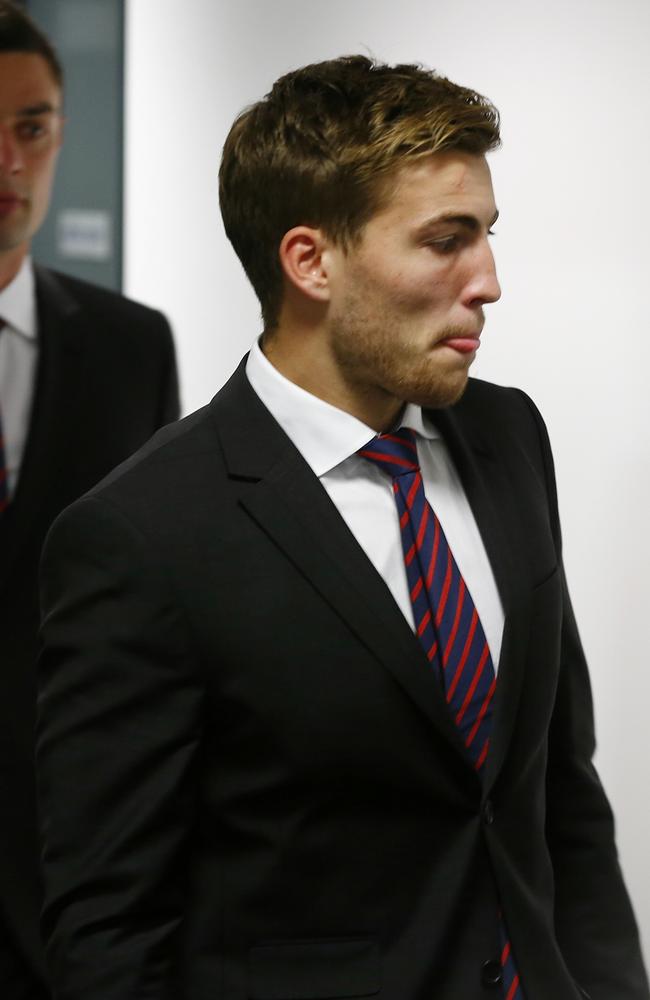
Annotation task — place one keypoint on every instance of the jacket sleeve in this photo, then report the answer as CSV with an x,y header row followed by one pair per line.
x,y
119,724
594,922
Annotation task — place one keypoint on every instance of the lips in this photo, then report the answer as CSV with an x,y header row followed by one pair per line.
x,y
463,344
8,202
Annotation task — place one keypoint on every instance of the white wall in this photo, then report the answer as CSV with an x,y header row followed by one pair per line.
x,y
572,81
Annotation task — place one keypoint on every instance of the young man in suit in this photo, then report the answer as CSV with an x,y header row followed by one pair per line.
x,y
85,378
314,716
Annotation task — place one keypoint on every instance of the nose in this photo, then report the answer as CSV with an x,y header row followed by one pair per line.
x,y
483,286
11,159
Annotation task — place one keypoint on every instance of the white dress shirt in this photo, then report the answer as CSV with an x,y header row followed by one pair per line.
x,y
328,439
18,360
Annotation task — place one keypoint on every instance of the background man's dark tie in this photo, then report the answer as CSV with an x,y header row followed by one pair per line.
x,y
4,485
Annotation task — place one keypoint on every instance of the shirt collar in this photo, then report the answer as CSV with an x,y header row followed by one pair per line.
x,y
324,435
18,302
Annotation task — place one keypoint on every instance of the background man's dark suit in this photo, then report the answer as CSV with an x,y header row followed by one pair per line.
x,y
106,381
248,772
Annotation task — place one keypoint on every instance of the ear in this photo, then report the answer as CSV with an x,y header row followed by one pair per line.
x,y
302,260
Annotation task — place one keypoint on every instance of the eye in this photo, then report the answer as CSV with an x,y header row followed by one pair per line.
x,y
445,244
31,129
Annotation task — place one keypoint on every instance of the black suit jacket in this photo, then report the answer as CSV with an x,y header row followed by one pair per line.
x,y
106,380
250,783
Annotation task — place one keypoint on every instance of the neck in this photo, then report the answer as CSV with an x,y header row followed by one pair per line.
x,y
10,263
302,357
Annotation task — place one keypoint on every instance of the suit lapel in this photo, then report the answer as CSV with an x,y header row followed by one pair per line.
x,y
284,497
486,488
281,493
60,348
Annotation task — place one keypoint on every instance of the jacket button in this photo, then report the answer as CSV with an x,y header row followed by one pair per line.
x,y
491,974
488,812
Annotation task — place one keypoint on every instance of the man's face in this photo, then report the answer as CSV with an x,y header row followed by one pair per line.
x,y
30,137
406,307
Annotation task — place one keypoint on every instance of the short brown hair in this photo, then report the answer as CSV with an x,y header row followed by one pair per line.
x,y
318,148
18,33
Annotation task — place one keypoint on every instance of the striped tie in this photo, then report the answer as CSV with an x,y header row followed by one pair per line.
x,y
446,620
4,486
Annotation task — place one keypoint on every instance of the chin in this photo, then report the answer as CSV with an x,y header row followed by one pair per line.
x,y
436,394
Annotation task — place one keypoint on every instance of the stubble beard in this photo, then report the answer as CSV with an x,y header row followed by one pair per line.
x,y
374,358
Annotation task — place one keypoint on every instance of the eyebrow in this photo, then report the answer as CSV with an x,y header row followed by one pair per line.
x,y
33,110
468,221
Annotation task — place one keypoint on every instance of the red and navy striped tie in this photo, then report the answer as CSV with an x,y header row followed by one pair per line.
x,y
4,486
446,620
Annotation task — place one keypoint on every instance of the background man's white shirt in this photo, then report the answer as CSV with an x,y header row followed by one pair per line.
x,y
18,361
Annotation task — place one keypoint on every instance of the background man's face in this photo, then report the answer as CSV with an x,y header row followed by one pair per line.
x,y
407,301
30,137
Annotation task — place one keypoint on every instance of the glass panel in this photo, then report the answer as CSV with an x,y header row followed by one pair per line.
x,y
82,234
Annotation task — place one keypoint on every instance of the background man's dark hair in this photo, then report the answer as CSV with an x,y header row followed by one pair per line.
x,y
18,33
322,148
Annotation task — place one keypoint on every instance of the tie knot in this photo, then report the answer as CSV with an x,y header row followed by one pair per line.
x,y
396,453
